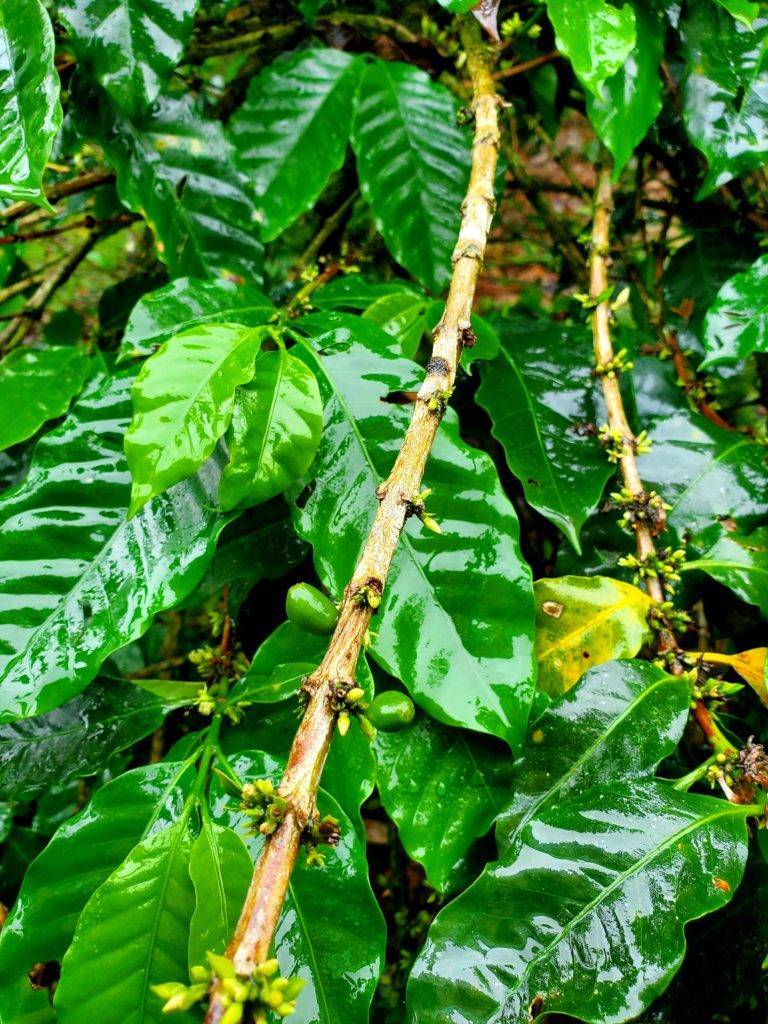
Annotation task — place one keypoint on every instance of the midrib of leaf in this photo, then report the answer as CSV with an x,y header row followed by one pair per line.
x,y
585,756
272,406
319,988
599,616
708,469
734,810
719,563
404,539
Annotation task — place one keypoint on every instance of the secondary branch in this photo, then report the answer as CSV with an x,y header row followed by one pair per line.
x,y
256,927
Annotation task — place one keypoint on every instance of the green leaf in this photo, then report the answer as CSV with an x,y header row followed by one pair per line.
x,y
619,722
724,92
442,787
587,917
340,953
82,854
413,162
581,622
186,303
740,563
220,868
132,934
129,46
458,6
178,171
37,385
539,391
401,315
276,425
88,581
596,37
476,670
736,324
707,474
742,10
291,132
631,99
354,293
279,663
75,739
183,399
30,112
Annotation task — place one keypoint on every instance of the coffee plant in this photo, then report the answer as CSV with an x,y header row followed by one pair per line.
x,y
384,511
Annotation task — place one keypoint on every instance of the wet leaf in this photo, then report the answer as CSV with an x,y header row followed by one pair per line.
x,y
37,385
736,324
740,563
596,37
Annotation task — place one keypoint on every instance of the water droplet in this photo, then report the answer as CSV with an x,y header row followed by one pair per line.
x,y
442,789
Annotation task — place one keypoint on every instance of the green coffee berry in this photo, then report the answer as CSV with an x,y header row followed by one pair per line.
x,y
391,711
310,610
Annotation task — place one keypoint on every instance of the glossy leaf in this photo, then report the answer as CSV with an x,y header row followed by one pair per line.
x,y
130,46
37,385
87,580
291,133
400,315
724,92
539,391
30,113
220,868
276,424
707,474
619,722
442,787
740,563
183,399
595,36
354,293
77,738
742,10
631,99
587,917
136,924
736,324
465,665
82,854
582,622
178,170
311,942
187,303
413,163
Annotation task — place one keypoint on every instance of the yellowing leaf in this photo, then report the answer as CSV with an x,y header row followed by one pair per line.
x,y
585,621
750,665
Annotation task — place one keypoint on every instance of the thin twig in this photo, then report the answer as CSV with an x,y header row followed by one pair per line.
x,y
527,65
261,912
64,188
328,227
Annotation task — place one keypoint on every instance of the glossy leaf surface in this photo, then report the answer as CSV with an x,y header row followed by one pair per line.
x,y
740,563
178,170
725,92
538,391
582,622
82,854
30,114
77,738
220,868
736,324
185,303
442,787
588,917
400,315
89,580
37,385
341,974
595,36
276,424
413,164
619,722
183,399
464,666
631,98
137,923
291,133
743,10
129,46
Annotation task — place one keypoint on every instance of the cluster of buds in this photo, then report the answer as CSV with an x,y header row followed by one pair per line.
x,y
662,615
320,832
706,687
616,443
417,507
515,25
251,998
619,363
214,665
721,772
438,402
348,701
662,565
214,698
741,774
369,594
263,805
643,508
700,391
